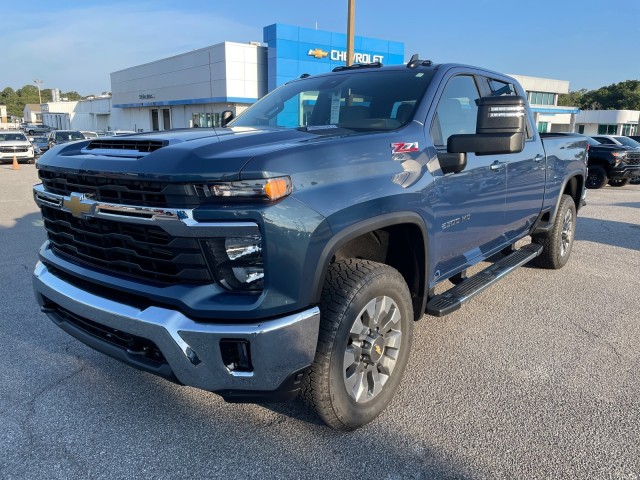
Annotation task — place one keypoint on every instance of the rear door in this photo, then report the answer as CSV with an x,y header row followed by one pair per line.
x,y
525,171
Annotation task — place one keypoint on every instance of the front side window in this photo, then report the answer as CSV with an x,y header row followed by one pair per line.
x,y
371,100
457,110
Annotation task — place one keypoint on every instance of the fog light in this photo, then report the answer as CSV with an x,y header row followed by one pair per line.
x,y
237,262
236,355
243,247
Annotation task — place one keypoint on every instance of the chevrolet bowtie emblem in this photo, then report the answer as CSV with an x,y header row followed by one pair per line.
x,y
318,53
76,206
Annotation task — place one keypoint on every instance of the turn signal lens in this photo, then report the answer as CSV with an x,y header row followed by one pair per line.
x,y
276,188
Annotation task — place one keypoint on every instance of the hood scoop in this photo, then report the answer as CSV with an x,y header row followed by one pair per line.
x,y
123,147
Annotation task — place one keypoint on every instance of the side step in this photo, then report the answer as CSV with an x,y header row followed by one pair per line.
x,y
452,299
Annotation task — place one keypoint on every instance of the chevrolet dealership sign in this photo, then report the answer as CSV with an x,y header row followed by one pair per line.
x,y
341,56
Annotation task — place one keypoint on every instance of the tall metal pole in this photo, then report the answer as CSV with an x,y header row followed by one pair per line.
x,y
38,83
351,27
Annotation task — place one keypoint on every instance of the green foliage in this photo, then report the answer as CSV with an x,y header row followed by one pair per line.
x,y
15,100
618,96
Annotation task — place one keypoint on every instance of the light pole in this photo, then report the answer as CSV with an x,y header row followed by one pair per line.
x,y
351,26
38,83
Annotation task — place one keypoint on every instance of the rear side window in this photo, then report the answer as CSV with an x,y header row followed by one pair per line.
x,y
500,88
457,110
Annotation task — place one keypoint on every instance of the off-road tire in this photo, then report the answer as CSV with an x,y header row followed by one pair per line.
x,y
619,182
557,243
596,177
350,286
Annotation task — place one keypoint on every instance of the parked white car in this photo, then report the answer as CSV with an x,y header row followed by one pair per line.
x,y
15,144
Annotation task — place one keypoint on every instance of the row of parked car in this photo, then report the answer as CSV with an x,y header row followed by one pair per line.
x,y
25,146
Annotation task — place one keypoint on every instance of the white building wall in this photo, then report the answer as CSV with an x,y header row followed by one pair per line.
x,y
592,119
204,83
538,84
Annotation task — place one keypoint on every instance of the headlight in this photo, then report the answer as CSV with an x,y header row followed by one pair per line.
x,y
619,156
237,262
269,189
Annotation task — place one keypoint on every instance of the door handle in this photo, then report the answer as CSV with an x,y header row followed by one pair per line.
x,y
495,166
538,158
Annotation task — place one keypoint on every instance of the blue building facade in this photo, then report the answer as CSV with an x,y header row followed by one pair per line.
x,y
292,51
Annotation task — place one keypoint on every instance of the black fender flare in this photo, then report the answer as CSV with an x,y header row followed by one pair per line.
x,y
359,228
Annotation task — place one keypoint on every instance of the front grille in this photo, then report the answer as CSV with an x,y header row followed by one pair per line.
x,y
14,149
144,146
126,191
633,158
141,251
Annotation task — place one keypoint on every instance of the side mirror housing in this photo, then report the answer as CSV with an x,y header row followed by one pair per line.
x,y
500,128
226,117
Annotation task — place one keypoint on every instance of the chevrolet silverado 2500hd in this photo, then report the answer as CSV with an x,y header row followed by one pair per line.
x,y
291,251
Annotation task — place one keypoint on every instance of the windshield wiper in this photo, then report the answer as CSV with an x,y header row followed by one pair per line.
x,y
325,129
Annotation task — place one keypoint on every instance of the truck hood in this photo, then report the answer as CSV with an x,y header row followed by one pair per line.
x,y
177,156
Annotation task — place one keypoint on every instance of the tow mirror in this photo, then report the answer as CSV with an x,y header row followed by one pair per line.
x,y
226,117
499,130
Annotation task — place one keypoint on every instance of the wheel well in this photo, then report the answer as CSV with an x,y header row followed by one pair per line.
x,y
596,162
574,189
399,246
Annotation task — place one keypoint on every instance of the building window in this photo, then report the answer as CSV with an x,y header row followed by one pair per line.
x,y
629,129
541,98
542,127
155,124
166,119
580,128
205,119
607,129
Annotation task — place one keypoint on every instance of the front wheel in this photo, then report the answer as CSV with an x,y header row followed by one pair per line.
x,y
557,243
596,177
364,342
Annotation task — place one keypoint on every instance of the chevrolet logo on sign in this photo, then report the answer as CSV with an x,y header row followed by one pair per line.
x,y
318,53
76,206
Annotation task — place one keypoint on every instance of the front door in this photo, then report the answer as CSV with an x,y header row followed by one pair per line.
x,y
469,208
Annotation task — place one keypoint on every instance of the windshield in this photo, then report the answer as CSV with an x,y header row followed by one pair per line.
x,y
12,137
629,142
359,100
68,136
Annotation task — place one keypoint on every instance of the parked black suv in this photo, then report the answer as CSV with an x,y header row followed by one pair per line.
x,y
612,164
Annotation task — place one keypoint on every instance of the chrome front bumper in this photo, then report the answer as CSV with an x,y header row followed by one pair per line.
x,y
279,347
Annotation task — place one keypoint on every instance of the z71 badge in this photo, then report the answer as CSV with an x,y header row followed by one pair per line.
x,y
405,147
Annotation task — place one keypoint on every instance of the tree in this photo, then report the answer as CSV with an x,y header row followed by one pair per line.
x,y
618,96
571,99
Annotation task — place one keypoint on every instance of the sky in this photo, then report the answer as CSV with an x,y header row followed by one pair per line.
x,y
75,45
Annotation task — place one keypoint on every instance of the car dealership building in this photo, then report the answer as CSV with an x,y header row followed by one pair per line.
x,y
194,88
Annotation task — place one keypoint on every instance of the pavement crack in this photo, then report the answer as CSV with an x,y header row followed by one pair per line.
x,y
31,404
599,338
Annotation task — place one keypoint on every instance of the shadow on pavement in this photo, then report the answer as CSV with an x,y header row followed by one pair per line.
x,y
608,232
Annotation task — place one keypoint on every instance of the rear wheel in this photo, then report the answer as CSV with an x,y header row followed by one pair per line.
x,y
635,180
558,241
363,345
619,182
597,177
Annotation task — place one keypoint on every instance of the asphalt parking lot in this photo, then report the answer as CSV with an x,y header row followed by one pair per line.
x,y
539,377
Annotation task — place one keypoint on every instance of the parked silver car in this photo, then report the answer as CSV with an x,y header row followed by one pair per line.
x,y
63,136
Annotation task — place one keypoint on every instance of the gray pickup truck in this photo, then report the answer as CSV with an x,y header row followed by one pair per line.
x,y
291,251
